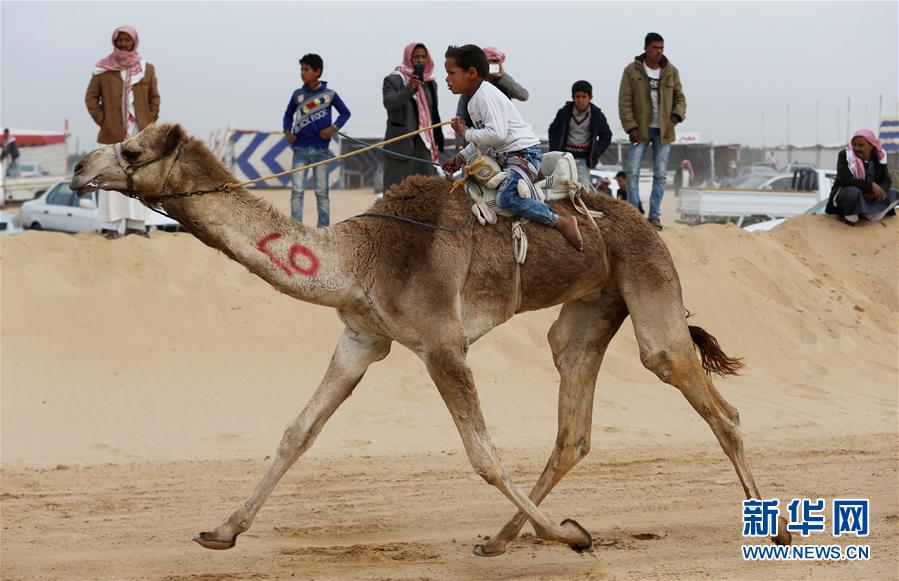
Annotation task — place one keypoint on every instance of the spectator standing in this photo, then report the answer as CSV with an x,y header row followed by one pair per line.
x,y
580,128
308,129
411,102
10,150
863,186
650,103
683,176
122,98
732,169
499,78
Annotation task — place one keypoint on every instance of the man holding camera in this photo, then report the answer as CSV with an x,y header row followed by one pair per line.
x,y
308,129
410,97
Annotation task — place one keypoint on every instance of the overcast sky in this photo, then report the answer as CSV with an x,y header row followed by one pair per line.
x,y
221,63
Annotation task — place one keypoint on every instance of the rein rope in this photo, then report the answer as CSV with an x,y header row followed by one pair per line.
x,y
340,157
389,153
130,169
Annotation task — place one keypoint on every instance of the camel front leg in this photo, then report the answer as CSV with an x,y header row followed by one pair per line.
x,y
354,353
579,339
446,365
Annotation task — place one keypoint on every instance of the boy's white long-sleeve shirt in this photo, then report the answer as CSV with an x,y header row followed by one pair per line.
x,y
498,124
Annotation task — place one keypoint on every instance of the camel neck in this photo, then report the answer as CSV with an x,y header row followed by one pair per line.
x,y
299,261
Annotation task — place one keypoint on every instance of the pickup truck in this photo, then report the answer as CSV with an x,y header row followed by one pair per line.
x,y
23,189
779,198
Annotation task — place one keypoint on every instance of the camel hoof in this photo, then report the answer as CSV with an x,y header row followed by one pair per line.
x,y
481,551
783,538
783,535
208,541
579,548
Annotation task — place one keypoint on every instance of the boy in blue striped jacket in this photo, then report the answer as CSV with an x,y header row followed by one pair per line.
x,y
308,129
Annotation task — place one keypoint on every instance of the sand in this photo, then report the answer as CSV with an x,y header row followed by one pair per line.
x,y
146,382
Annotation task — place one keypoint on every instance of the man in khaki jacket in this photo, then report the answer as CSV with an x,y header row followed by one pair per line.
x,y
650,103
107,111
122,99
124,69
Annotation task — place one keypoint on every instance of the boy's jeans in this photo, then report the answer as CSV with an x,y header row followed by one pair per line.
x,y
635,155
304,156
583,173
12,170
507,195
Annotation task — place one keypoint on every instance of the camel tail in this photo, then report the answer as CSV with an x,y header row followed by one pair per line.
x,y
714,360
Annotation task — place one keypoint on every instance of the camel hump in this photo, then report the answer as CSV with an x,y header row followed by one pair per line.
x,y
423,198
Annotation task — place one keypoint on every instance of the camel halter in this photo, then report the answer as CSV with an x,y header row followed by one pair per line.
x,y
131,168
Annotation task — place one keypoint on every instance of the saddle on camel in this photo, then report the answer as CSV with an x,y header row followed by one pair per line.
x,y
436,291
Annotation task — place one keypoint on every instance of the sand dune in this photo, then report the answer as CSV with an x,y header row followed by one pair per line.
x,y
159,363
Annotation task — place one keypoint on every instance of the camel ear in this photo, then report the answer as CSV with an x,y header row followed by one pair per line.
x,y
173,136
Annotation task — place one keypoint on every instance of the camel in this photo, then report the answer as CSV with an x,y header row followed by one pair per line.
x,y
436,291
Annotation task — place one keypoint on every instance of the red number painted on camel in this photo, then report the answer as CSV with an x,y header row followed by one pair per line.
x,y
293,267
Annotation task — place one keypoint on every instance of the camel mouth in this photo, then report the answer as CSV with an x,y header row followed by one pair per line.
x,y
79,185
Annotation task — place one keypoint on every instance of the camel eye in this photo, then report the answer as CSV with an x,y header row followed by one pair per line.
x,y
130,154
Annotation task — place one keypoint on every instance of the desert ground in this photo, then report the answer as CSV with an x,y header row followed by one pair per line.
x,y
146,384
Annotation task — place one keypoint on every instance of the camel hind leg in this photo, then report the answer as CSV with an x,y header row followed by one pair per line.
x,y
579,339
667,349
445,361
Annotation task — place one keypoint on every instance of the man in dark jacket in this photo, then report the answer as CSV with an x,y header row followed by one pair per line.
x,y
411,104
581,129
10,150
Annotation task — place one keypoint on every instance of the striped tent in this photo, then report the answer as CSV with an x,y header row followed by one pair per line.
x,y
889,134
251,154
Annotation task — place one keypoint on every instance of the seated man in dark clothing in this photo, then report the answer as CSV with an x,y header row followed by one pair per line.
x,y
621,178
863,186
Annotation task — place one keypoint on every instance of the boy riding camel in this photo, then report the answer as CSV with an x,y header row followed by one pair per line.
x,y
499,126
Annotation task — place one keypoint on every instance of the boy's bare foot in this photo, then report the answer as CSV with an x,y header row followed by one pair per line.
x,y
567,225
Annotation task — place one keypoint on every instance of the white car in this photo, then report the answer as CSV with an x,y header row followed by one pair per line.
x,y
781,181
604,172
9,224
769,224
608,172
60,209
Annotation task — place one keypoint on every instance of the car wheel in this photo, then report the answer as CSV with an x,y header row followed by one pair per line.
x,y
36,226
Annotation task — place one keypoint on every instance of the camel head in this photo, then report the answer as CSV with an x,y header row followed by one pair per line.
x,y
147,159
